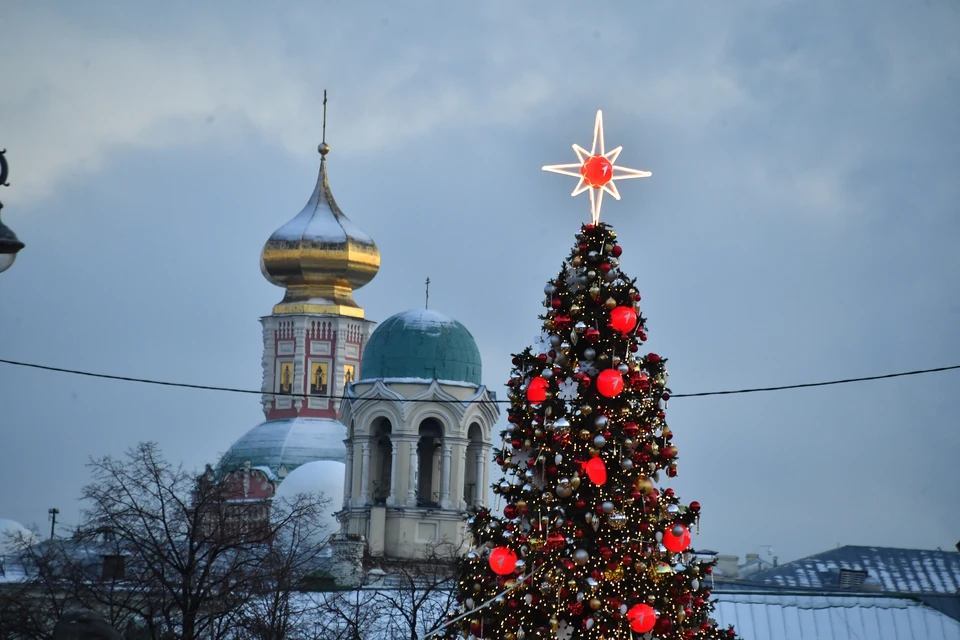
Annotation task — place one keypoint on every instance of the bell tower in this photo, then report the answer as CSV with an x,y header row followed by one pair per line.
x,y
313,342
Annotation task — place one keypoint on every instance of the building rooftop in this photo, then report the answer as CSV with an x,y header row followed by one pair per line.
x,y
422,344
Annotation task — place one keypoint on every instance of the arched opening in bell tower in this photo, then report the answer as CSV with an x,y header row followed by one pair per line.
x,y
381,461
428,453
473,488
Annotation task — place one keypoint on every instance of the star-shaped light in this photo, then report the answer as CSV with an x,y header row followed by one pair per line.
x,y
596,171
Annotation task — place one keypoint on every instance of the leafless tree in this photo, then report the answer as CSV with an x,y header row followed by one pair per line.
x,y
418,592
163,552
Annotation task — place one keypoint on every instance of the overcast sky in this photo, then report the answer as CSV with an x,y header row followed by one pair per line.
x,y
801,224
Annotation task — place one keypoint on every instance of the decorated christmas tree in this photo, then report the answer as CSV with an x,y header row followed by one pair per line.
x,y
588,545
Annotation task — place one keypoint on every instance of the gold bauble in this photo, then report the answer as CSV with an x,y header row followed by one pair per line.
x,y
575,481
577,261
476,587
520,504
574,309
548,323
586,409
535,543
644,485
614,575
509,635
554,624
662,570
593,451
594,291
585,434
610,303
595,603
572,584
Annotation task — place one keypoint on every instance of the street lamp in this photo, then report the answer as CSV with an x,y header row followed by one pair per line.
x,y
9,244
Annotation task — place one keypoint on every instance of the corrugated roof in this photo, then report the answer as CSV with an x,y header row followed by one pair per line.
x,y
898,570
841,617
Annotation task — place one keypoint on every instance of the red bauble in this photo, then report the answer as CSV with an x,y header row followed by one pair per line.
x,y
677,543
664,624
605,267
609,382
642,617
503,561
597,471
652,357
616,251
695,506
592,334
623,319
556,303
596,171
537,390
510,511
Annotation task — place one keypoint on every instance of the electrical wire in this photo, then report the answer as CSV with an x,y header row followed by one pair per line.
x,y
701,394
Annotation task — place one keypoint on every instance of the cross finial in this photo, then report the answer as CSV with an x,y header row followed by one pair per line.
x,y
324,148
427,305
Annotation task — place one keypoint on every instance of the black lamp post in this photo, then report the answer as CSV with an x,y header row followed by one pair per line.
x,y
9,244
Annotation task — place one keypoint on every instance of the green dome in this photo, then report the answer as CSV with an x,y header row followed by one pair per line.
x,y
422,344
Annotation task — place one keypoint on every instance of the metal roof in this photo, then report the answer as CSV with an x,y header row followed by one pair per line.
x,y
773,616
897,570
422,344
287,443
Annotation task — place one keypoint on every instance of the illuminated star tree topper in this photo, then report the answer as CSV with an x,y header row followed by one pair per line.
x,y
597,171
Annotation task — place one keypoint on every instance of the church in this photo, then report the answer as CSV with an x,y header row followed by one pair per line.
x,y
391,422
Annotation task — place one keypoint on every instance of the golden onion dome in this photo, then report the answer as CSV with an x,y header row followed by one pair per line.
x,y
320,257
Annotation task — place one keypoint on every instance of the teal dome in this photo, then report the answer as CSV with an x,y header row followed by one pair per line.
x,y
422,344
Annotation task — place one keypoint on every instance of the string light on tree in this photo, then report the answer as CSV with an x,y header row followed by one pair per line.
x,y
596,170
588,547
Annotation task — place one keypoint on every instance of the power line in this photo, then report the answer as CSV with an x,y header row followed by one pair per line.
x,y
701,394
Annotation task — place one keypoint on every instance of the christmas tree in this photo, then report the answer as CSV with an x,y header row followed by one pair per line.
x,y
588,546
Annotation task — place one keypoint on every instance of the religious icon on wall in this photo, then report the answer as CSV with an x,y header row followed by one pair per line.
x,y
319,378
348,373
286,377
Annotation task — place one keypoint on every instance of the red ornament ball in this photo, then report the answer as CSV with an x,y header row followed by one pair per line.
x,y
537,390
623,319
609,383
616,251
642,618
677,543
695,506
592,334
503,561
596,171
597,471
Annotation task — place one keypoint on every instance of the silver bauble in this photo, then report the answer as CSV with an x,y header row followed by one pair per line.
x,y
601,422
547,374
599,441
581,556
607,506
589,353
626,464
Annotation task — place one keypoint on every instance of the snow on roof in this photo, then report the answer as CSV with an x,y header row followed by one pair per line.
x,y
841,617
898,570
14,535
